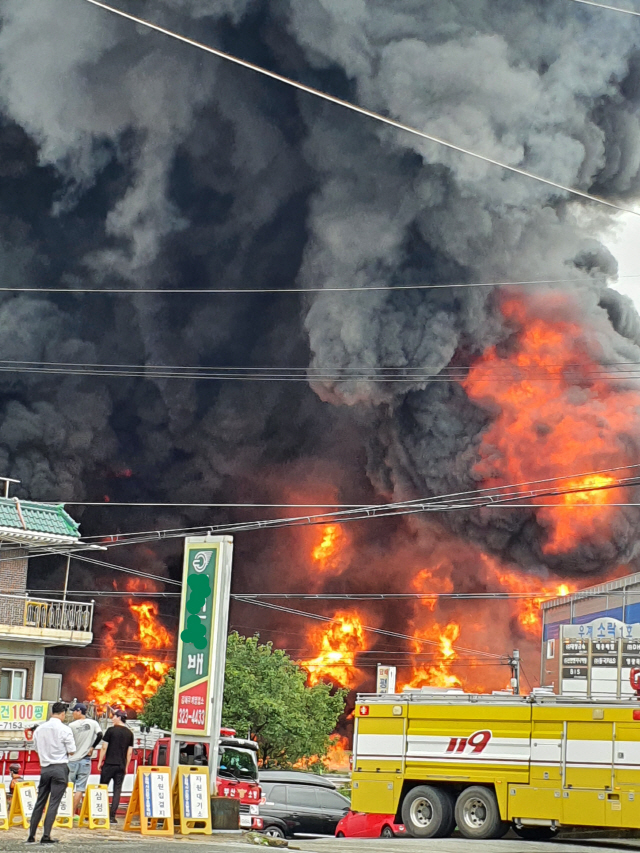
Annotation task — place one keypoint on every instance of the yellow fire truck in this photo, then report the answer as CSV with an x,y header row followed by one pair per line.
x,y
436,758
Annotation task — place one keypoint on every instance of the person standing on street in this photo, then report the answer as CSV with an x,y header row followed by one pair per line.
x,y
116,749
54,744
14,770
87,735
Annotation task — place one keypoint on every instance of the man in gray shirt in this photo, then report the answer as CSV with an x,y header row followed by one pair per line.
x,y
54,744
87,735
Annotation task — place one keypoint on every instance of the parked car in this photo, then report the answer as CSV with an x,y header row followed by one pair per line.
x,y
362,825
296,803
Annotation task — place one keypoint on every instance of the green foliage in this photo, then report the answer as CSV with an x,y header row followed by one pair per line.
x,y
265,695
158,709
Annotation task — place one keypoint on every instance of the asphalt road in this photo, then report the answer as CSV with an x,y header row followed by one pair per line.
x,y
83,841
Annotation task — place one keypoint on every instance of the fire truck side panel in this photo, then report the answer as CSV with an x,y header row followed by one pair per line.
x,y
480,743
550,760
627,756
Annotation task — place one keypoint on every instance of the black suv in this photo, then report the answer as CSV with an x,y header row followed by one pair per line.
x,y
296,803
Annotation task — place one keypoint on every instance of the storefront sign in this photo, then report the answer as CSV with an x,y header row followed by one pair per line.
x,y
202,633
15,716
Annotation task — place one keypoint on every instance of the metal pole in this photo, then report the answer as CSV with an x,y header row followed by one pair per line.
x,y
515,671
66,578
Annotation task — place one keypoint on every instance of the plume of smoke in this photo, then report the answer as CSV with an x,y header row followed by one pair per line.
x,y
143,163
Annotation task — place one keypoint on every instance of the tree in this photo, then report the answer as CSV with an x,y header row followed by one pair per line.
x,y
265,696
158,709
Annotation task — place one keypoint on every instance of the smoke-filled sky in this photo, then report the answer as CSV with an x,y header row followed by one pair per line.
x,y
129,160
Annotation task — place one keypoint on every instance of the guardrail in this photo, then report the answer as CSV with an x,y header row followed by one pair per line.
x,y
29,612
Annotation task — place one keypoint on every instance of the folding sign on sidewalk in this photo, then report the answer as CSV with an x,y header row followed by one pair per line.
x,y
4,817
64,817
151,803
191,800
95,807
22,803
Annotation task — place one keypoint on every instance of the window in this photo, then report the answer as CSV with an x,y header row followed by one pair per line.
x,y
13,683
551,649
332,800
278,794
238,764
302,796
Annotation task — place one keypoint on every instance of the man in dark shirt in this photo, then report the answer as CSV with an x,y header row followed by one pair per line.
x,y
115,754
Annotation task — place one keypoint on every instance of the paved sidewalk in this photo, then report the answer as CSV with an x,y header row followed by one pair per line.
x,y
84,841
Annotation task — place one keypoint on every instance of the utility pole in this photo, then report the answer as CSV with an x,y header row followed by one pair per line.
x,y
514,663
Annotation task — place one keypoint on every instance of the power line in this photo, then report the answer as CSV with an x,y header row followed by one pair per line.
x,y
381,631
106,592
609,8
148,504
177,291
124,569
501,372
498,496
394,596
493,496
360,110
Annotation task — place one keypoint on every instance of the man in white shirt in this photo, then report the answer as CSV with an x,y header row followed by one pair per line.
x,y
87,735
54,744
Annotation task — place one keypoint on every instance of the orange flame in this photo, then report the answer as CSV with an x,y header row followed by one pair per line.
x,y
439,674
337,647
337,758
555,414
326,553
528,609
128,679
424,578
335,761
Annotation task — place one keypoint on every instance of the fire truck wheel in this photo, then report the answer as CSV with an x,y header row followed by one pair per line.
x,y
535,833
477,813
428,812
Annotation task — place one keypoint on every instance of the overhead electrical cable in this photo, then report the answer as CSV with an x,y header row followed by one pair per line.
x,y
392,596
490,496
83,558
147,504
177,291
498,496
608,8
499,373
304,613
357,109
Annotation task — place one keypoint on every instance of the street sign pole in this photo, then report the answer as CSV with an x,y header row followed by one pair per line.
x,y
202,645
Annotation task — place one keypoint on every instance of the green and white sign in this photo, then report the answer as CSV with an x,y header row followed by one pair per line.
x,y
202,635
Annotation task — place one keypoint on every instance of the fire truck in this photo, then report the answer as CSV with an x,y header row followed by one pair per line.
x,y
440,758
237,775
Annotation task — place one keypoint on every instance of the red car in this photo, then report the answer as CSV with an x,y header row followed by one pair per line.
x,y
362,825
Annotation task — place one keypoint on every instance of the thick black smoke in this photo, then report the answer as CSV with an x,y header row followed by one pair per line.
x,y
131,160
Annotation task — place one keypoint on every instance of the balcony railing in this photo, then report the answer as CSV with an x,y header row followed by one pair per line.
x,y
29,612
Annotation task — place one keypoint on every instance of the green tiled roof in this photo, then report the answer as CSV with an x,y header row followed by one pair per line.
x,y
51,519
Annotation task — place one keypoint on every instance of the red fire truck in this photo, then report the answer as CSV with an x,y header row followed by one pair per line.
x,y
237,775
